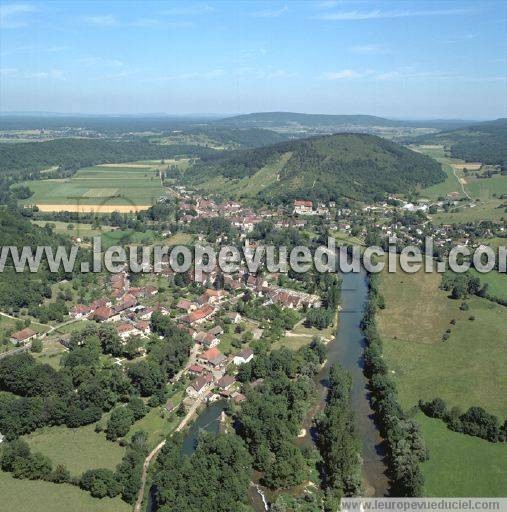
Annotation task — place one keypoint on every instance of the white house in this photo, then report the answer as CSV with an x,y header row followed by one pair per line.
x,y
245,356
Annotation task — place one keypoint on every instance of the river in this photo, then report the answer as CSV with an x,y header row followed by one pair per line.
x,y
347,349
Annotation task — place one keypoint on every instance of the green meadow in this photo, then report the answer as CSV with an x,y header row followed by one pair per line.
x,y
470,368
79,449
496,281
39,496
461,465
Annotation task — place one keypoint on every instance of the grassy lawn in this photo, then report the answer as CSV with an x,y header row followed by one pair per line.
x,y
9,325
490,210
342,237
302,335
78,449
497,282
156,426
179,239
461,465
51,353
470,368
79,229
29,496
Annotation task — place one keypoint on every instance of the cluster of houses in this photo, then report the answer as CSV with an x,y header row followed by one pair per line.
x,y
209,375
245,219
122,308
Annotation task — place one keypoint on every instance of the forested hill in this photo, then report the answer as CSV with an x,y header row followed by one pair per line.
x,y
483,142
24,161
75,153
356,166
244,137
25,289
279,120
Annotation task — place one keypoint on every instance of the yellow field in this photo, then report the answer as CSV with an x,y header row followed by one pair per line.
x,y
91,208
471,166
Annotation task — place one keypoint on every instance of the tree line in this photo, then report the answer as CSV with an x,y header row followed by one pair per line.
x,y
338,441
474,422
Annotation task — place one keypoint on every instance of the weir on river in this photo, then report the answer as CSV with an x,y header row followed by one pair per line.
x,y
347,349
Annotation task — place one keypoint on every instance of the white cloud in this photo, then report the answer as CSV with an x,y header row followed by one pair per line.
x,y
106,20
344,74
270,13
189,10
12,15
460,39
379,14
369,49
100,61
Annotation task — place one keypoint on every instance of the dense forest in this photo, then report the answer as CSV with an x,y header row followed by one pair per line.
x,y
484,142
244,137
356,166
28,289
75,153
24,161
214,478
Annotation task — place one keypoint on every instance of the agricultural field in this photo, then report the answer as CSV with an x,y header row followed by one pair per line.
x,y
102,188
470,368
493,210
79,449
484,192
461,465
451,185
28,496
78,229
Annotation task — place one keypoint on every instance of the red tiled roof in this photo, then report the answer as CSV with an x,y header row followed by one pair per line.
x,y
211,354
302,202
201,313
103,313
23,334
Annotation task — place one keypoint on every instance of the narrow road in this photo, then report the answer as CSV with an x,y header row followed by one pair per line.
x,y
153,454
462,185
28,345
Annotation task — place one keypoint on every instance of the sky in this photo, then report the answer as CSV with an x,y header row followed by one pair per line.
x,y
399,59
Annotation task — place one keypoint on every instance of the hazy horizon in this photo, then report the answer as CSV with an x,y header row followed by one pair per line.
x,y
218,115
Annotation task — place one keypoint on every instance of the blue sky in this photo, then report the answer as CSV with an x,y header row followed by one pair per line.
x,y
405,59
